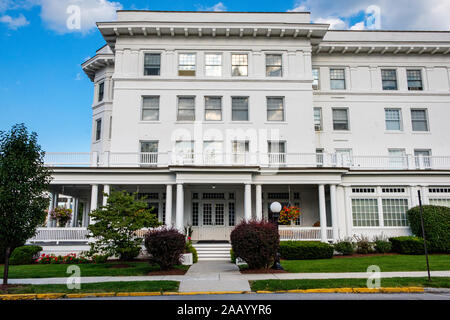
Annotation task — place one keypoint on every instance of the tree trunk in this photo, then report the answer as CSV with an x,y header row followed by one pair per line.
x,y
6,267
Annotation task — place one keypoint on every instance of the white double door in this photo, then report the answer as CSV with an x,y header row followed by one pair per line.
x,y
214,220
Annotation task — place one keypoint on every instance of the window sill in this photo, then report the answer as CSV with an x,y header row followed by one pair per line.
x,y
394,131
276,122
342,131
185,122
213,122
421,132
149,122
240,122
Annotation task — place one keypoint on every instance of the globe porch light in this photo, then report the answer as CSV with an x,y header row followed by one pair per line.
x,y
275,207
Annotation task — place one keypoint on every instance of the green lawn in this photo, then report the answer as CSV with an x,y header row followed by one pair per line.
x,y
360,264
137,286
273,285
87,270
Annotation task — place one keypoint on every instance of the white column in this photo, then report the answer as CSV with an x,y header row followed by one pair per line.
x,y
75,212
248,202
94,200
50,207
258,206
334,214
168,221
55,205
323,214
348,212
107,190
180,208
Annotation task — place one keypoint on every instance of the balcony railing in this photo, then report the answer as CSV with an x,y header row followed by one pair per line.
x,y
305,160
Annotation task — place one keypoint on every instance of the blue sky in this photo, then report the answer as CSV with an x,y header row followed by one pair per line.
x,y
43,86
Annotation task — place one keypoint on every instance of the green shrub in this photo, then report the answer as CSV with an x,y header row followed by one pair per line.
x,y
407,245
363,245
256,242
99,258
25,255
345,247
382,244
233,256
190,249
436,221
305,250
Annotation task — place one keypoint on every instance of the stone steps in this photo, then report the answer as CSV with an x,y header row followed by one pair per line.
x,y
213,251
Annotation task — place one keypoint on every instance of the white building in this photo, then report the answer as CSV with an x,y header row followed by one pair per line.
x,y
215,115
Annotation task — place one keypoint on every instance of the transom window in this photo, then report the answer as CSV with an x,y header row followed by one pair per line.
x,y
419,119
275,109
239,65
152,64
393,119
340,119
150,109
274,67
414,80
186,64
337,79
213,64
239,106
213,108
186,109
389,79
315,74
318,119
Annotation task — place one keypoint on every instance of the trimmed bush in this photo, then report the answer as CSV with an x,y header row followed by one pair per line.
x,y
256,242
407,245
345,247
305,250
363,245
232,256
436,221
190,249
165,245
25,255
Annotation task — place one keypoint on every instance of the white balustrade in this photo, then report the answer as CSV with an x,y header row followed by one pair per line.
x,y
303,233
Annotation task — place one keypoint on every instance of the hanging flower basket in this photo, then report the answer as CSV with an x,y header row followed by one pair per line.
x,y
288,215
61,215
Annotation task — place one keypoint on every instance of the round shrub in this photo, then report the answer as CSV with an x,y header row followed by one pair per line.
x,y
256,242
436,221
345,247
305,250
24,255
165,245
383,246
407,245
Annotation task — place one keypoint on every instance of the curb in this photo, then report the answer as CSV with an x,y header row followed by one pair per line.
x,y
45,296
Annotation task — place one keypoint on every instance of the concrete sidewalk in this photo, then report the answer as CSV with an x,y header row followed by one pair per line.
x,y
207,275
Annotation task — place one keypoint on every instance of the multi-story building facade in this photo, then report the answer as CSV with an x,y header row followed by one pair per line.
x,y
214,116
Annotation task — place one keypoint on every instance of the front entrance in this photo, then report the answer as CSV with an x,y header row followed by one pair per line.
x,y
213,216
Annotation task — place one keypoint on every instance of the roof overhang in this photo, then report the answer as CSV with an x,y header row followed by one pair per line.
x,y
99,61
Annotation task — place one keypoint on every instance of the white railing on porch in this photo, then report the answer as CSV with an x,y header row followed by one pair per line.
x,y
305,160
303,233
60,235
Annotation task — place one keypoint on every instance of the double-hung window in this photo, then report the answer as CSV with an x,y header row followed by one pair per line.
x,y
186,109
213,64
340,119
186,64
152,64
316,77
389,79
419,120
98,129
337,79
213,108
414,80
274,65
239,65
318,119
150,108
239,109
275,109
393,119
101,91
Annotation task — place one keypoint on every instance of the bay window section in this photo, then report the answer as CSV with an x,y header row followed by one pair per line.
x,y
150,109
213,108
186,64
186,109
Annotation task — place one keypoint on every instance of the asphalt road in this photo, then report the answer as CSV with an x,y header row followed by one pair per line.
x,y
296,296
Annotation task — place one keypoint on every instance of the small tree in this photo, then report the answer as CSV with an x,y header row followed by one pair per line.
x,y
115,225
23,182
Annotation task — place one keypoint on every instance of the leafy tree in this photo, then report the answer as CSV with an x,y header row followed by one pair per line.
x,y
23,182
115,224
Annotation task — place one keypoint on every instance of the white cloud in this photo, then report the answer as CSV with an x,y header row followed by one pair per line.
x,y
217,7
399,14
335,23
358,26
14,23
55,14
